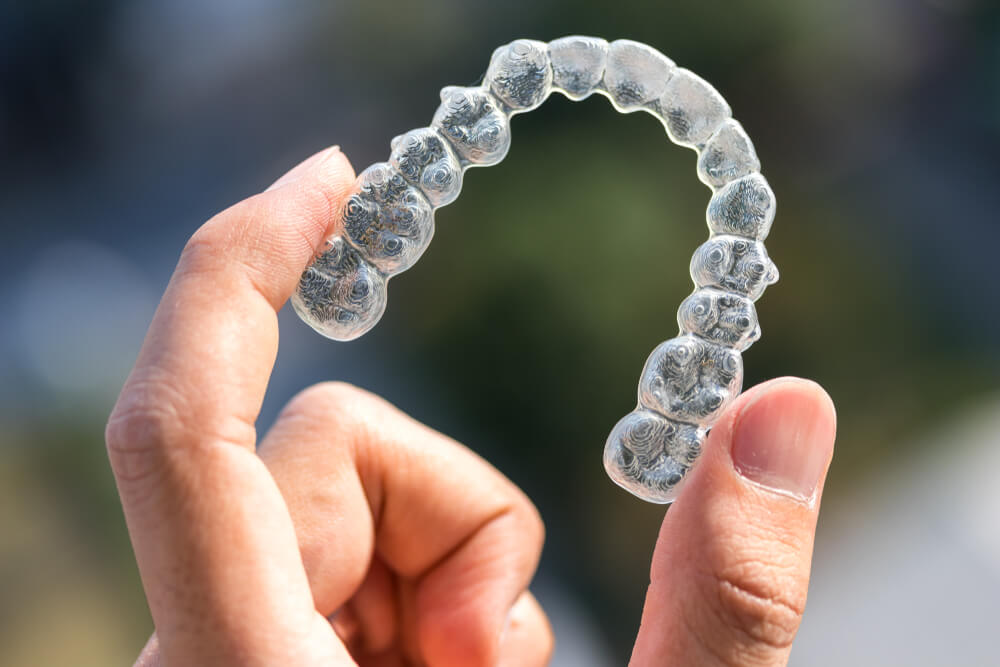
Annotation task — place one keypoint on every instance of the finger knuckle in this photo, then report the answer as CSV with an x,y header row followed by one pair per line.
x,y
210,243
341,401
135,435
334,393
751,601
154,428
234,237
355,414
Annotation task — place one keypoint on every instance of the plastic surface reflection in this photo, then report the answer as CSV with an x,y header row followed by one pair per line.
x,y
388,222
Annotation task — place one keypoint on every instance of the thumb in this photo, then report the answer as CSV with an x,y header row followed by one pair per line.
x,y
731,567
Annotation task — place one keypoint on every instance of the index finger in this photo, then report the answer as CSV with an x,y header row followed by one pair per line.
x,y
213,539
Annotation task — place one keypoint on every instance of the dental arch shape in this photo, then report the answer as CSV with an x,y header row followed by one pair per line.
x,y
687,381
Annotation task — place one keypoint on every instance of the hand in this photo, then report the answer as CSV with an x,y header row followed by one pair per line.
x,y
353,535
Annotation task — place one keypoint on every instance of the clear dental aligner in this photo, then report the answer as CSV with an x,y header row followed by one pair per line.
x,y
388,222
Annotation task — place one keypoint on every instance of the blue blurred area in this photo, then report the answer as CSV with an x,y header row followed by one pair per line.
x,y
125,125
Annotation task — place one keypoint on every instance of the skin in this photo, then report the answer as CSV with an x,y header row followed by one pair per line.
x,y
352,535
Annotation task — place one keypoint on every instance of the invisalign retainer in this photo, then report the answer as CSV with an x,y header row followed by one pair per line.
x,y
388,221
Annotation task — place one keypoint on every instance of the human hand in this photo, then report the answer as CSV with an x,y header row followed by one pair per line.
x,y
418,550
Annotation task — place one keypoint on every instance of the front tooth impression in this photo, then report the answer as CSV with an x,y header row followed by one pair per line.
x,y
519,74
577,65
636,74
727,155
744,207
691,108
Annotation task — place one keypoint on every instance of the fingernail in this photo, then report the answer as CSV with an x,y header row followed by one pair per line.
x,y
783,440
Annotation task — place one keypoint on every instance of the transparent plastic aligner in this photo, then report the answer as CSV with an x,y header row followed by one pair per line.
x,y
340,295
744,207
691,109
472,120
649,455
519,74
690,379
387,219
427,160
727,319
727,155
636,75
735,264
578,65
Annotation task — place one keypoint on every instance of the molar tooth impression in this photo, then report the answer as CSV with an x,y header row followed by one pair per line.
x,y
690,379
735,264
341,295
723,318
388,222
427,161
649,454
473,122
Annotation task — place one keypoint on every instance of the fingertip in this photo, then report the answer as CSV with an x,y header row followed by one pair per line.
x,y
333,169
527,639
331,155
468,601
462,635
789,394
150,656
320,192
794,384
785,383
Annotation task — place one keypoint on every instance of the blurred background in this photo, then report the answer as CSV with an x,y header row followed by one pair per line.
x,y
124,125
